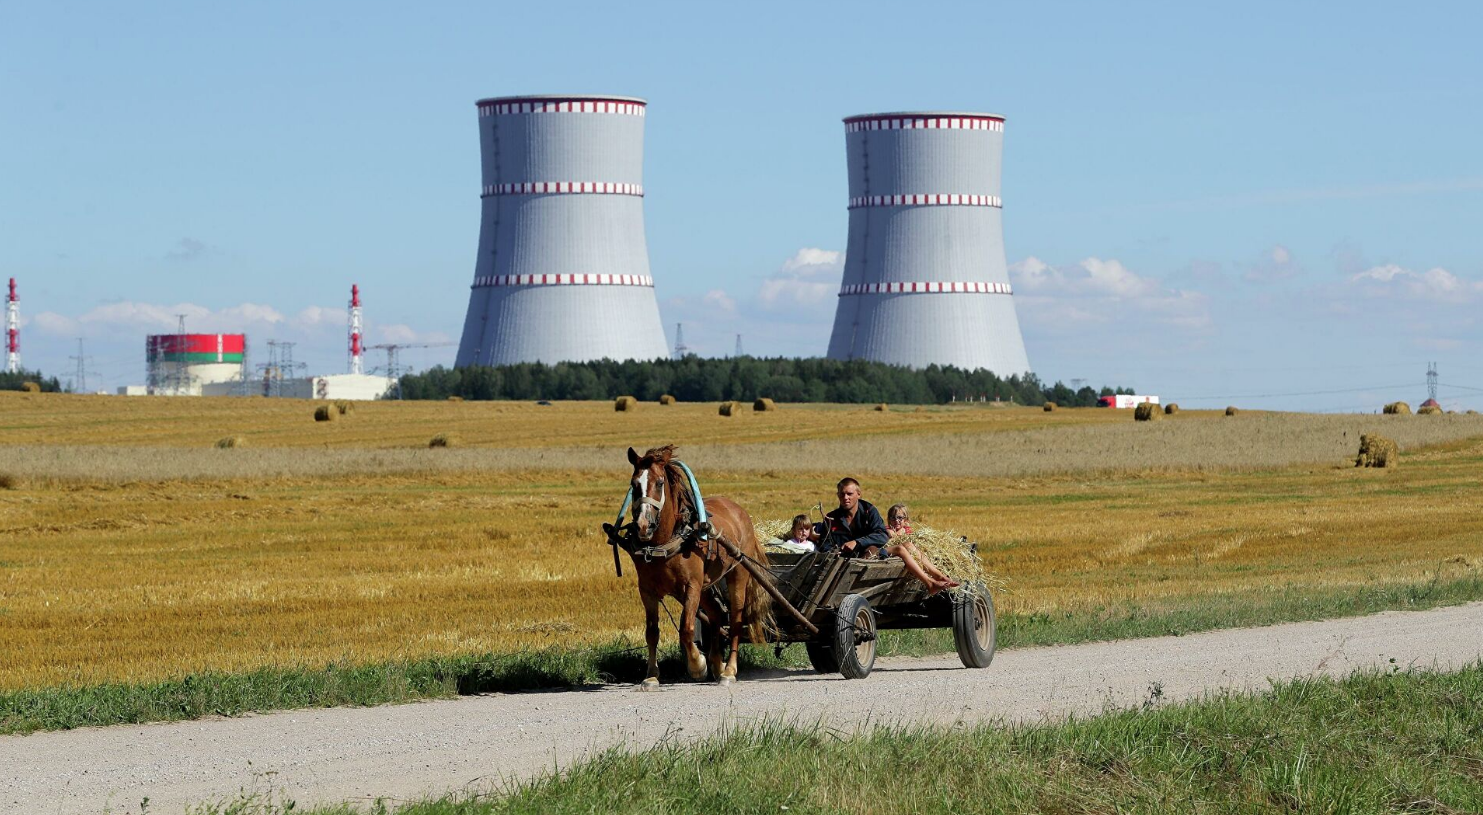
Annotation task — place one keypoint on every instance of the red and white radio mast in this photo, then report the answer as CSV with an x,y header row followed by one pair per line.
x,y
13,331
355,343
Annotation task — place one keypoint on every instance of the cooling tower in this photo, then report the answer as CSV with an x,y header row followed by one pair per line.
x,y
563,269
925,280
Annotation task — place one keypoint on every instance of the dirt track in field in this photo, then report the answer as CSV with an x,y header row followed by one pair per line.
x,y
409,751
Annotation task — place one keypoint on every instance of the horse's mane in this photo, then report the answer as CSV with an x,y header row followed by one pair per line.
x,y
665,456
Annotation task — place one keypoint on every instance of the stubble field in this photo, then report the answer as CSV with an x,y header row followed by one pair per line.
x,y
131,551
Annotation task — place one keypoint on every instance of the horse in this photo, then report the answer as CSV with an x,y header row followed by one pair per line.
x,y
675,561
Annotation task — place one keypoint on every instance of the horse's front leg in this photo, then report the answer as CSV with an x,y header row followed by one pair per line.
x,y
712,636
651,636
737,596
690,603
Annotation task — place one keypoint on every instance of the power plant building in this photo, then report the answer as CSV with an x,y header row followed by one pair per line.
x,y
925,278
563,267
190,364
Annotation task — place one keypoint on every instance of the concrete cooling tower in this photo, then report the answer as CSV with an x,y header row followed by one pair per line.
x,y
925,279
563,269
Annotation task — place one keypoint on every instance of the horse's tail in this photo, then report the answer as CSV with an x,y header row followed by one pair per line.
x,y
757,611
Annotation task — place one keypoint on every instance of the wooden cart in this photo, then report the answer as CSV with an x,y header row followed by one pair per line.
x,y
849,600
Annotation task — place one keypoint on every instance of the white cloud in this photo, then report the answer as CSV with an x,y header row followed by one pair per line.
x,y
315,316
50,322
1275,264
1094,291
1390,280
719,299
804,281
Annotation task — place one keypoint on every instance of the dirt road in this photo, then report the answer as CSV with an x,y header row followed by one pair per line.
x,y
408,751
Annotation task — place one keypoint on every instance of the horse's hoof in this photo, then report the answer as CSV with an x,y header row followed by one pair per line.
x,y
726,680
648,684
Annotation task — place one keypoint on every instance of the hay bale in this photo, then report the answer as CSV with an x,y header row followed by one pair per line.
x,y
1377,451
731,409
625,404
1171,408
444,440
882,407
455,398
1050,407
344,407
1230,411
1429,410
763,405
10,481
326,413
230,442
1398,409
30,387
1147,412
1472,413
666,399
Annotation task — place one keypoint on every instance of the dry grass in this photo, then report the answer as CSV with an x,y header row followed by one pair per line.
x,y
230,442
142,562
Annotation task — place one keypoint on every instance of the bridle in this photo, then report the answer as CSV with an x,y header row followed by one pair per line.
x,y
646,508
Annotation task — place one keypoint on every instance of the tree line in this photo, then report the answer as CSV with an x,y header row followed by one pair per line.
x,y
697,379
17,381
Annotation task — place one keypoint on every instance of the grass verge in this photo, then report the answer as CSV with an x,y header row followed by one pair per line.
x,y
338,684
1396,742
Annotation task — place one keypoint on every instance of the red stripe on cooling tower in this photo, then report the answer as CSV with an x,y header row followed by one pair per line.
x,y
563,280
856,124
563,188
927,200
623,107
198,343
927,287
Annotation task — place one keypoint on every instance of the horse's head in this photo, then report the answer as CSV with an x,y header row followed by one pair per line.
x,y
650,487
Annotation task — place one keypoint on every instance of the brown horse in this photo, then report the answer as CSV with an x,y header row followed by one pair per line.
x,y
672,561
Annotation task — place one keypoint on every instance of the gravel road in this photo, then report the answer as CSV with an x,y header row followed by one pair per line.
x,y
407,751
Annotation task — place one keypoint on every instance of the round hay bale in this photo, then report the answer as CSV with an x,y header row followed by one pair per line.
x,y
731,409
764,404
1171,408
882,407
30,387
666,399
1429,410
1377,451
10,481
1398,409
625,404
1472,413
1147,412
1050,407
444,440
1230,411
345,408
326,413
230,442
455,398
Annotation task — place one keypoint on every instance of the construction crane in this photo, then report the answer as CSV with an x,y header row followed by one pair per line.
x,y
393,364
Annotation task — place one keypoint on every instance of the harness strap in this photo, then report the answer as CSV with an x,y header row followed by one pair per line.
x,y
701,523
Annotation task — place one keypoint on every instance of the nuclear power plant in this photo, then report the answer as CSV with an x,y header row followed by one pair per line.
x,y
925,279
563,268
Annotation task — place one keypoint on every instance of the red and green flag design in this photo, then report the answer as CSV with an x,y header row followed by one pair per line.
x,y
195,348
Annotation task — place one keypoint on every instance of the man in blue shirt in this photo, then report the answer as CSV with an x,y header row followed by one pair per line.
x,y
856,528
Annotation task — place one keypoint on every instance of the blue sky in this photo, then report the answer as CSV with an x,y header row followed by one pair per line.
x,y
1214,204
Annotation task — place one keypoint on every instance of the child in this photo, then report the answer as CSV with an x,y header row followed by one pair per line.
x,y
803,532
898,525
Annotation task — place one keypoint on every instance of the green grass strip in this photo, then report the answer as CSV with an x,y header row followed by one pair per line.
x,y
1376,742
342,684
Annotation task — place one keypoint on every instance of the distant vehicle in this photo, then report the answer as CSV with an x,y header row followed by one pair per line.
x,y
1126,400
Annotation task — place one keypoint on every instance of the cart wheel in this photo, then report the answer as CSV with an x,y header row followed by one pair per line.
x,y
854,637
973,626
821,656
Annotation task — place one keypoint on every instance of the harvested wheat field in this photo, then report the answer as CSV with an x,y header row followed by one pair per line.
x,y
130,554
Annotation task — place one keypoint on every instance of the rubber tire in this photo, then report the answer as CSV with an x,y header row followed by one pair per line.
x,y
855,661
821,656
974,632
